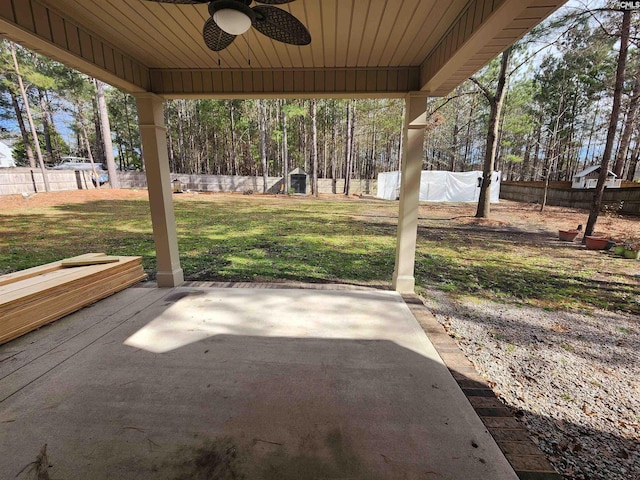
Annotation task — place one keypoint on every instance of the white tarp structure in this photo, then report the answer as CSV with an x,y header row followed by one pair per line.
x,y
441,186
6,156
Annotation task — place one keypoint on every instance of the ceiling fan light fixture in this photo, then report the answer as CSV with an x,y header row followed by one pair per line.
x,y
232,21
232,16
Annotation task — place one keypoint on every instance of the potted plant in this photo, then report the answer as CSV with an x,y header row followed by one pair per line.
x,y
567,235
596,243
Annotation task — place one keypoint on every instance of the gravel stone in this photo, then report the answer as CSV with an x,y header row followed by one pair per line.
x,y
572,378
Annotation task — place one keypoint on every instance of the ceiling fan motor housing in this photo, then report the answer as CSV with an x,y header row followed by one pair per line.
x,y
239,5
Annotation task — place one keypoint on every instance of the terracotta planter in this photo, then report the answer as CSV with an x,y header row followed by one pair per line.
x,y
567,235
596,243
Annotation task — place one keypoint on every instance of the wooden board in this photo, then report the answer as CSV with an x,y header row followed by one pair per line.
x,y
39,270
57,280
30,320
83,262
52,297
40,295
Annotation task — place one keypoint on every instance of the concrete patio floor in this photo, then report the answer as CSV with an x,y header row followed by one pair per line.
x,y
230,383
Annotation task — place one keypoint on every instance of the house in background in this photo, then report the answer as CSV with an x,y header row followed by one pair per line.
x,y
589,179
6,156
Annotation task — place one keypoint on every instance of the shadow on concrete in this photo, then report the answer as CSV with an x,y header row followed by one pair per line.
x,y
333,399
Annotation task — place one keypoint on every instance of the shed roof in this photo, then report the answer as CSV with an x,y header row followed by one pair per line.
x,y
593,169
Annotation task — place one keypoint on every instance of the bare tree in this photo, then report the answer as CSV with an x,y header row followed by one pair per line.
x,y
23,129
613,124
348,149
87,144
629,124
314,147
334,152
285,149
32,126
262,119
106,135
496,101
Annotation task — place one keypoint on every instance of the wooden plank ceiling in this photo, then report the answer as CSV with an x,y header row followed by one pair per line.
x,y
368,47
345,33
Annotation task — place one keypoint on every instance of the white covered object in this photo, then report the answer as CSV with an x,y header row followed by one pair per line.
x,y
6,156
440,186
389,185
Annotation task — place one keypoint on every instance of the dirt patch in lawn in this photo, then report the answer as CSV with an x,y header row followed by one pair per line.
x,y
528,217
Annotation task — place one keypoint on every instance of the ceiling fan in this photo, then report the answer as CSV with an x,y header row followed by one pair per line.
x,y
230,18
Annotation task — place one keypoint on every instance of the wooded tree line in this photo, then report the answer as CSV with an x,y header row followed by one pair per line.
x,y
557,106
353,138
62,108
48,111
558,88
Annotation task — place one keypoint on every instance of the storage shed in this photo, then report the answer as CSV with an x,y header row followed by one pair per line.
x,y
589,179
298,181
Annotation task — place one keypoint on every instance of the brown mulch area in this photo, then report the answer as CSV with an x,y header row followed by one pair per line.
x,y
528,216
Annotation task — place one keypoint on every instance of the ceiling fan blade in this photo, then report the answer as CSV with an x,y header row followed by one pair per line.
x,y
182,2
214,37
274,2
281,26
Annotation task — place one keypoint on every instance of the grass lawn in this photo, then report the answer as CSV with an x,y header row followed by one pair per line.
x,y
264,238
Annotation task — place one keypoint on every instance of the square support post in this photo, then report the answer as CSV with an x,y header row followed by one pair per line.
x,y
153,135
412,155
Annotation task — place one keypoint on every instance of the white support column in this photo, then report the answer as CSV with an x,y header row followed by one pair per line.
x,y
412,155
153,135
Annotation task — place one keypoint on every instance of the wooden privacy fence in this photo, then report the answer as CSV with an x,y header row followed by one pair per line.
x,y
28,181
206,183
531,192
233,183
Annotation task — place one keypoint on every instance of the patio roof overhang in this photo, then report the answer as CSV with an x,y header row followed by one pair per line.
x,y
411,49
364,48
